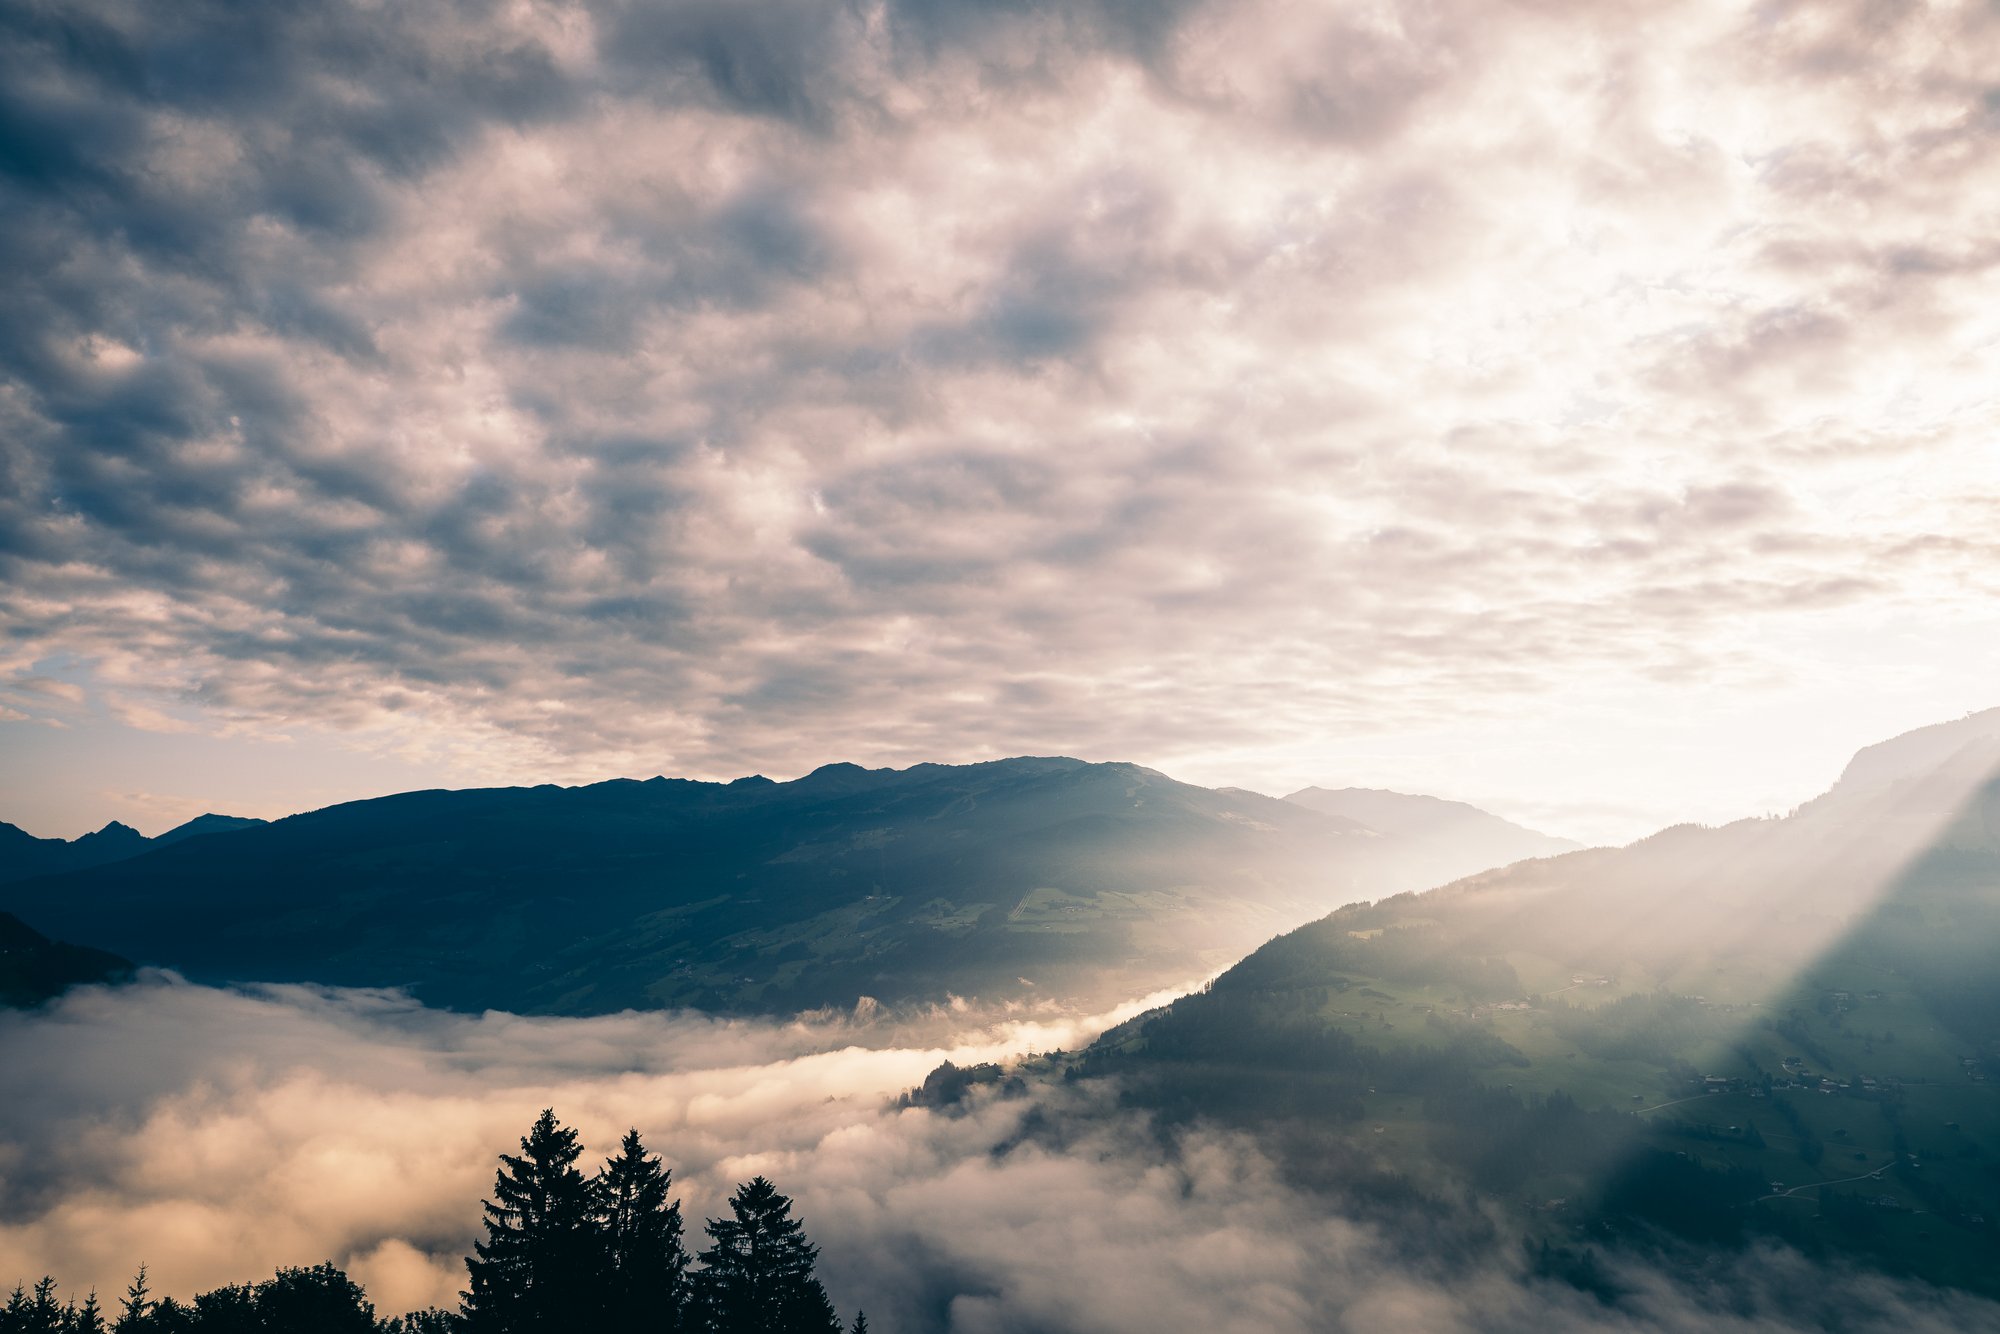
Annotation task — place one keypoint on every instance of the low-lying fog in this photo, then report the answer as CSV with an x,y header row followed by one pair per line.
x,y
216,1134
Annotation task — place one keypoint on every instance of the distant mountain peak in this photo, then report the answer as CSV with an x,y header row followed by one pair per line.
x,y
117,841
1408,813
113,834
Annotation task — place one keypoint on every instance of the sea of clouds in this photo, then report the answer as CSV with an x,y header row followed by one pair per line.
x,y
215,1134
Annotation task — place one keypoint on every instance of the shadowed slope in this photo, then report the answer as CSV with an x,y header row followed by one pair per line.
x,y
34,968
1018,877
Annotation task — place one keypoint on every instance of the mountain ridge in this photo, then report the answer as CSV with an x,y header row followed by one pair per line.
x,y
24,856
1014,878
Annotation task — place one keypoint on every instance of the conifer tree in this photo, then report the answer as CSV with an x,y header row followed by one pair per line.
x,y
171,1317
89,1318
860,1323
539,1269
645,1261
44,1313
758,1270
137,1307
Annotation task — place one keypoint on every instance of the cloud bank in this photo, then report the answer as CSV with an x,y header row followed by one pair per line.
x,y
216,1135
572,388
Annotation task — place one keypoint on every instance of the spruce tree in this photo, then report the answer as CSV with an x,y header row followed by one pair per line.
x,y
645,1261
44,1313
132,1316
758,1270
860,1325
89,1318
539,1269
171,1317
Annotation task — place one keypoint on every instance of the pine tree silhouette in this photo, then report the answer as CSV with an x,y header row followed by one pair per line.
x,y
172,1317
646,1264
539,1270
758,1270
860,1323
14,1315
89,1318
137,1307
44,1314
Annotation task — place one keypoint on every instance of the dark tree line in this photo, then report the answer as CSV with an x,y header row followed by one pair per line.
x,y
563,1254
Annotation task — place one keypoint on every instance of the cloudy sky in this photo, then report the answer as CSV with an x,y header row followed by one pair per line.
x,y
1582,409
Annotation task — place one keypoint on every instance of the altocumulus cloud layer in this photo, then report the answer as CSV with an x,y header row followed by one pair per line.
x,y
218,1134
594,386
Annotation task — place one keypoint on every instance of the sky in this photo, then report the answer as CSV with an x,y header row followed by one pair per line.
x,y
1586,410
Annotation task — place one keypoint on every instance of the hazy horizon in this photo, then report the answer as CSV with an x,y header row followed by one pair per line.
x,y
1516,806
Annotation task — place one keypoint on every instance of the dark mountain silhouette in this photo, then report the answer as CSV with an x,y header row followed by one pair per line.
x,y
23,856
34,968
1031,876
1651,1036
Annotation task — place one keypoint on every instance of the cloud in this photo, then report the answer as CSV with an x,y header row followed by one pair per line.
x,y
579,388
206,1131
217,1134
